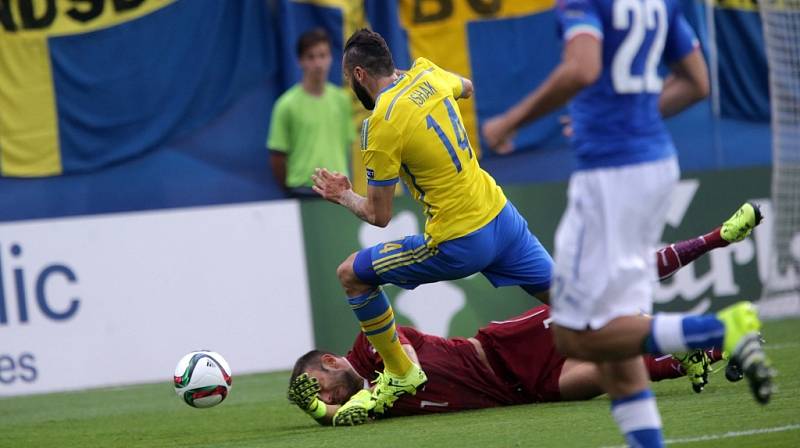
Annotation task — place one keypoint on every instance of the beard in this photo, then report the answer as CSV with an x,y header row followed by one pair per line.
x,y
349,382
362,95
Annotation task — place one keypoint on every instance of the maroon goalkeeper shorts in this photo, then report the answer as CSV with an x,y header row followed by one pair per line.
x,y
522,352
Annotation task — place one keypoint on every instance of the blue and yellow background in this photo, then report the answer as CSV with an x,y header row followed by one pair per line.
x,y
119,105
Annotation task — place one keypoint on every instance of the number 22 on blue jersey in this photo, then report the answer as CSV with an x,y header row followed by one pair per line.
x,y
638,17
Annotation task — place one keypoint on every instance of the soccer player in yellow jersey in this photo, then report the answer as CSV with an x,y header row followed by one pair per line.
x,y
416,133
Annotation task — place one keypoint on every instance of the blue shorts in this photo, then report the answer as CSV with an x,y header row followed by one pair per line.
x,y
504,251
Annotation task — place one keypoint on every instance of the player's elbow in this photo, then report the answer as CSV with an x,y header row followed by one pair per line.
x,y
580,74
380,214
583,60
694,72
381,220
696,88
586,74
702,88
378,207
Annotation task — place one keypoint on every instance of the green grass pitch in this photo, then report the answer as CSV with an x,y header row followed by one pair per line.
x,y
258,415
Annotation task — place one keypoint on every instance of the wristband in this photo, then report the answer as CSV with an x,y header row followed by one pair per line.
x,y
319,410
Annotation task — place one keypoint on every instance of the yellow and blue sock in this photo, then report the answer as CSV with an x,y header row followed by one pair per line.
x,y
638,418
674,333
377,322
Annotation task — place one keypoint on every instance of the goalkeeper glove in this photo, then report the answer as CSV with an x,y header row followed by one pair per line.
x,y
303,392
356,410
697,366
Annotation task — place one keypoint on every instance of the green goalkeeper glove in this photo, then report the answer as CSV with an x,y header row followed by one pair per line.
x,y
697,366
303,392
356,410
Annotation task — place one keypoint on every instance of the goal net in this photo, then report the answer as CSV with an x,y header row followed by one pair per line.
x,y
781,24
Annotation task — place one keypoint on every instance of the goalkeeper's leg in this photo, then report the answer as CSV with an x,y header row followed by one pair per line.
x,y
675,256
733,330
580,380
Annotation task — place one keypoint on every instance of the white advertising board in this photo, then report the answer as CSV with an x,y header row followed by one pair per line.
x,y
118,299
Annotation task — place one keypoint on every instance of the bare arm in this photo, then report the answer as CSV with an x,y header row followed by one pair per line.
x,y
375,209
580,67
687,84
277,161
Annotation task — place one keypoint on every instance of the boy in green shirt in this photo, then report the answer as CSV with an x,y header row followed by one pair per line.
x,y
311,122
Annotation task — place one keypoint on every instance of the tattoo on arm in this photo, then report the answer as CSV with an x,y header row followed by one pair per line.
x,y
355,203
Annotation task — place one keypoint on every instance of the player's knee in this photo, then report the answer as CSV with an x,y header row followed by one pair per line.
x,y
347,277
346,273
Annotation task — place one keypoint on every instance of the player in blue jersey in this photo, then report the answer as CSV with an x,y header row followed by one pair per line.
x,y
618,200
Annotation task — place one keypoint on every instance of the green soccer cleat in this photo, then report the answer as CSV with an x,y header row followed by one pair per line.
x,y
743,343
388,388
697,366
356,411
741,223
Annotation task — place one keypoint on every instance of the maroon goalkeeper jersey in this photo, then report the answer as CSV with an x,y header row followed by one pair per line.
x,y
521,350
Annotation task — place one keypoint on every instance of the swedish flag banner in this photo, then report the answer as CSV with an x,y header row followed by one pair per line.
x,y
88,84
85,84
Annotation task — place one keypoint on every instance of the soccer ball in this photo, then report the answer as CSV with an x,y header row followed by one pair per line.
x,y
202,379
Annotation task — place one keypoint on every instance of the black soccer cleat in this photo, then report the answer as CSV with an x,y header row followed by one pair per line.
x,y
756,367
733,372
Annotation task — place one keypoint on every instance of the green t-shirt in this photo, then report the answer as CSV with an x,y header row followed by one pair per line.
x,y
314,132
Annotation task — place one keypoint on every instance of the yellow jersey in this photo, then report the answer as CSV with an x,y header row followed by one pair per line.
x,y
416,133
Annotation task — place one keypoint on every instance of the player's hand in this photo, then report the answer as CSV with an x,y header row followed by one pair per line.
x,y
331,186
498,135
303,392
356,410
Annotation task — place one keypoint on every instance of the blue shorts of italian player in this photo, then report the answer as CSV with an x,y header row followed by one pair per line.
x,y
504,251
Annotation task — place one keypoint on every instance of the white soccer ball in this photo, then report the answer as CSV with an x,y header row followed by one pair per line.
x,y
202,379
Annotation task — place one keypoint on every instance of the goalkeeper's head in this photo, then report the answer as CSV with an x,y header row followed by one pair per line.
x,y
338,380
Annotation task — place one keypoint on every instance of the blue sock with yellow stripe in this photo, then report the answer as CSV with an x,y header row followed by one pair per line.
x,y
377,322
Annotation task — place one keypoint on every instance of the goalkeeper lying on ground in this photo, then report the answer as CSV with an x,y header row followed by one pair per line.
x,y
505,363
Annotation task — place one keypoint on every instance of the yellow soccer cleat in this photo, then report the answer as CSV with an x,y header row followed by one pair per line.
x,y
355,411
743,342
388,387
741,223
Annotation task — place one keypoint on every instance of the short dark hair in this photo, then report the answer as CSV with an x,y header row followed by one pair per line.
x,y
311,360
367,49
311,38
